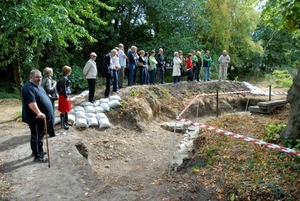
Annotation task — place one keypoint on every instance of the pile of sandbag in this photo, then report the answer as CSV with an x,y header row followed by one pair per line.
x,y
89,114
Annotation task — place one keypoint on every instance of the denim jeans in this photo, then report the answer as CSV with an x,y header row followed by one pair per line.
x,y
152,74
196,71
116,80
206,73
176,79
131,73
143,75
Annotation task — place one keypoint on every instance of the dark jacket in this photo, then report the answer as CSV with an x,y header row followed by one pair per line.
x,y
63,86
160,60
106,64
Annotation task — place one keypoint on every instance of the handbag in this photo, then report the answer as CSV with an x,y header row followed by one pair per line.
x,y
54,95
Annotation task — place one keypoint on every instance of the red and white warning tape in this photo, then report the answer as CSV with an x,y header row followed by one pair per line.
x,y
279,93
242,137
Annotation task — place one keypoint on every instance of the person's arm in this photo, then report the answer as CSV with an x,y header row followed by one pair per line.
x,y
86,68
33,106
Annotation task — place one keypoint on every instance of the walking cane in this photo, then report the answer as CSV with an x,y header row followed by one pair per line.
x,y
46,133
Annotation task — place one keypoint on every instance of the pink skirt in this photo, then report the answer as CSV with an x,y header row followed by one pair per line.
x,y
64,104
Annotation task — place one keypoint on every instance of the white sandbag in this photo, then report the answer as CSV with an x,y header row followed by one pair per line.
x,y
90,115
57,120
101,116
89,109
71,118
78,108
114,97
99,109
92,122
80,115
72,111
81,123
105,106
104,123
96,103
114,103
86,103
103,100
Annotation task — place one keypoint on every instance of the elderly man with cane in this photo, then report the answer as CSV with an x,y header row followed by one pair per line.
x,y
36,110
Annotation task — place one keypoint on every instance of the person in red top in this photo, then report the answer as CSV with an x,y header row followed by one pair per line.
x,y
189,67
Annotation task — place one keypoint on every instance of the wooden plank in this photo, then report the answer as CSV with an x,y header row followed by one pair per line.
x,y
258,110
274,103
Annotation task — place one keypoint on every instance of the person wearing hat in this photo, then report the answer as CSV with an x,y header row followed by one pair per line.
x,y
90,72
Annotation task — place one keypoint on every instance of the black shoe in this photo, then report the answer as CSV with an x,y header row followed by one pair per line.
x,y
41,160
44,153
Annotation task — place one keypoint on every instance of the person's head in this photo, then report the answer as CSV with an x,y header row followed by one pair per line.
x,y
207,52
48,72
189,55
176,54
198,53
66,70
35,76
193,52
141,53
93,56
133,48
180,52
121,46
152,52
113,52
160,51
224,53
117,49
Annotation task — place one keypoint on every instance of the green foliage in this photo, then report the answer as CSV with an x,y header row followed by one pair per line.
x,y
79,82
282,78
273,132
8,90
134,92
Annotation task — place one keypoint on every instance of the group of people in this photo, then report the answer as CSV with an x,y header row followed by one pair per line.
x,y
193,63
38,109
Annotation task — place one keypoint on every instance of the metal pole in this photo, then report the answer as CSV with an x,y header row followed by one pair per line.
x,y
172,147
217,102
270,92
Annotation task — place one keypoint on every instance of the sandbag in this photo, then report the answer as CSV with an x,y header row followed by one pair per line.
x,y
90,115
105,106
81,123
71,118
104,100
99,109
86,103
101,116
114,103
104,123
89,109
78,108
114,97
92,122
80,115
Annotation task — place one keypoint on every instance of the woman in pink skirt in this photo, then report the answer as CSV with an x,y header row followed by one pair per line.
x,y
64,101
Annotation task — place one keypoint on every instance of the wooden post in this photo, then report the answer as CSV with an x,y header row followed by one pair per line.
x,y
217,102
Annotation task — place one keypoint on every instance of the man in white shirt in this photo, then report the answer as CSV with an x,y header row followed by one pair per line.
x,y
122,61
224,60
90,72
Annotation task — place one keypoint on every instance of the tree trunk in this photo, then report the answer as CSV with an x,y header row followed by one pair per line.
x,y
17,77
292,129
